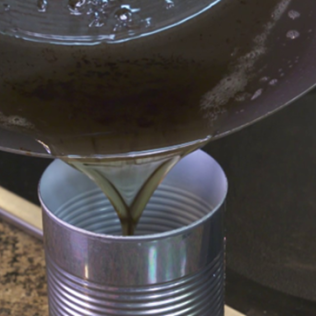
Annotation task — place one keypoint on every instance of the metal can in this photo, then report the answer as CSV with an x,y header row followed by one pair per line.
x,y
174,265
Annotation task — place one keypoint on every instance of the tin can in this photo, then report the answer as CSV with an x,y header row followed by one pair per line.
x,y
174,265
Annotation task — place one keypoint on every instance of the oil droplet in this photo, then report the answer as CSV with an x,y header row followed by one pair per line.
x,y
76,6
123,15
97,20
234,52
6,7
294,14
264,79
99,6
41,5
240,111
273,82
293,34
257,94
148,22
242,96
169,4
128,19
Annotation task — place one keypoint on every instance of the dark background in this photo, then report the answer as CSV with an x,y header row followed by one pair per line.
x,y
271,209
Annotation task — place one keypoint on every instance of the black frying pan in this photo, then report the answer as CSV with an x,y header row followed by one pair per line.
x,y
262,52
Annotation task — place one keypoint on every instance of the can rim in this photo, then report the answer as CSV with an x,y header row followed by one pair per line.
x,y
143,238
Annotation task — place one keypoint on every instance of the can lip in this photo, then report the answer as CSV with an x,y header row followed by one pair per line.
x,y
144,238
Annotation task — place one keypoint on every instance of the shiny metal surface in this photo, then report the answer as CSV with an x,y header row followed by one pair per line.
x,y
199,294
173,266
21,223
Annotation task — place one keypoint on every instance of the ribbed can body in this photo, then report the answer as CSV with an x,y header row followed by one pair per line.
x,y
198,294
173,266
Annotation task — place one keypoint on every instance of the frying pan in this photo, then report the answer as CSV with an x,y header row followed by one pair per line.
x,y
266,51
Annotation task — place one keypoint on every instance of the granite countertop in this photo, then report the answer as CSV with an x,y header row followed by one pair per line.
x,y
23,289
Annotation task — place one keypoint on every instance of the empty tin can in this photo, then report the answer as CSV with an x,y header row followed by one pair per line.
x,y
174,265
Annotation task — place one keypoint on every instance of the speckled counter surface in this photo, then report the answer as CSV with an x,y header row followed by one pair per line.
x,y
22,274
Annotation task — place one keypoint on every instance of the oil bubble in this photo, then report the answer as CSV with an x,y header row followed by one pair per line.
x,y
124,15
294,14
264,79
169,4
76,7
42,5
273,82
293,34
6,7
